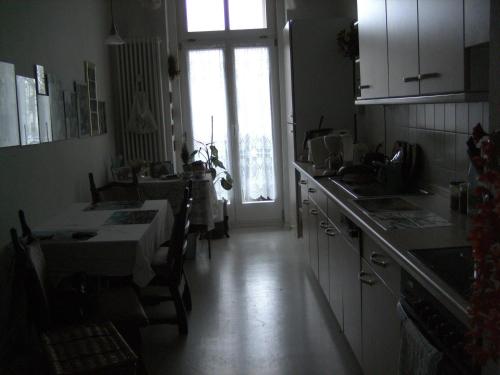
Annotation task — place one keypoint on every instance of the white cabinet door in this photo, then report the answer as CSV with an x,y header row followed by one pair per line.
x,y
402,41
313,237
323,265
381,325
441,46
336,268
373,48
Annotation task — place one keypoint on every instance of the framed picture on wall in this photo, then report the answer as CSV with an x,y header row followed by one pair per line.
x,y
71,114
102,117
83,109
90,80
9,125
28,110
56,108
41,80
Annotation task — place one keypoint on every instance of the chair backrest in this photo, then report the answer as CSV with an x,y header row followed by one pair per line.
x,y
178,242
36,281
115,191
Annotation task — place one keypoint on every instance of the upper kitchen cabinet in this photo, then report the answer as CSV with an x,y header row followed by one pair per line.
x,y
372,49
402,40
441,46
477,22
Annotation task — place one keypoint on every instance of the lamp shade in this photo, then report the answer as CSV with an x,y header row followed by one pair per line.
x,y
114,39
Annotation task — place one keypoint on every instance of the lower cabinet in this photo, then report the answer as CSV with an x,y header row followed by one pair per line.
x,y
323,265
380,325
335,261
351,295
313,237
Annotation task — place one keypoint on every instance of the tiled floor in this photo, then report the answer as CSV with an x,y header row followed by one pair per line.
x,y
256,310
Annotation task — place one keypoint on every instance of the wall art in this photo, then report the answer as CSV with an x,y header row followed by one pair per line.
x,y
102,117
28,110
56,108
9,123
83,108
71,114
90,79
44,120
41,80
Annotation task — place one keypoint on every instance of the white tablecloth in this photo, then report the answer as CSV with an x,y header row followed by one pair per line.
x,y
205,210
116,250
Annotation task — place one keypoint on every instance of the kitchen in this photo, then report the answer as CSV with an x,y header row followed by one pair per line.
x,y
360,259
389,254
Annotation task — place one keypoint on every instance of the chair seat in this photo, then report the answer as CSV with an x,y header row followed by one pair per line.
x,y
88,349
121,306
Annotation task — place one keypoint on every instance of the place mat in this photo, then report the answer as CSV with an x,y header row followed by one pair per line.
x,y
131,217
114,205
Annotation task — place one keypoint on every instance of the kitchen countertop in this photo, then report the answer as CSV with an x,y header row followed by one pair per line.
x,y
398,242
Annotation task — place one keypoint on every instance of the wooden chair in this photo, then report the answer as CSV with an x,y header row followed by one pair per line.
x,y
169,268
91,348
119,305
115,191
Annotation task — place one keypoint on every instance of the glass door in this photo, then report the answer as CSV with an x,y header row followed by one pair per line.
x,y
230,81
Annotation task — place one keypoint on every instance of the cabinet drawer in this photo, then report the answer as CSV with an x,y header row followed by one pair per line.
x,y
382,264
303,186
318,196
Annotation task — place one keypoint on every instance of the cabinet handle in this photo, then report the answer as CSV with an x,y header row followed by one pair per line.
x,y
330,232
365,280
374,260
311,190
361,87
305,202
313,212
323,225
411,79
303,182
428,75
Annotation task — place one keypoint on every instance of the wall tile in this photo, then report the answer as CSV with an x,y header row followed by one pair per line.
x,y
449,151
486,116
462,118
429,116
461,157
439,116
449,117
420,115
438,156
475,115
412,135
412,113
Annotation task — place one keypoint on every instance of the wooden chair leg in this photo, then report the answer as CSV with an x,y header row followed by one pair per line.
x,y
180,311
186,294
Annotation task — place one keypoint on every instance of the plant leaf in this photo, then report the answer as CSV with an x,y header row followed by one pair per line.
x,y
214,151
225,184
229,178
213,172
218,163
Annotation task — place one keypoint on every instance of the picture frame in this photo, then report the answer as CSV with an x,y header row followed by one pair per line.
x,y
90,80
103,126
71,114
27,107
83,109
9,122
41,80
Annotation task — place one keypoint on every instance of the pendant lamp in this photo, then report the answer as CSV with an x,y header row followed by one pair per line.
x,y
114,39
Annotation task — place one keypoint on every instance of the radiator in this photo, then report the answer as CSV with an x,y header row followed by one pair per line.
x,y
139,62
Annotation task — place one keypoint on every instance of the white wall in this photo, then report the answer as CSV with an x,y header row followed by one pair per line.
x,y
60,35
495,65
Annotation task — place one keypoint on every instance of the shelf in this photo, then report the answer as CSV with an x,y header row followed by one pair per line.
x,y
443,98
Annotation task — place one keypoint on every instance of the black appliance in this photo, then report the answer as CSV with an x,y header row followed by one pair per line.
x,y
443,330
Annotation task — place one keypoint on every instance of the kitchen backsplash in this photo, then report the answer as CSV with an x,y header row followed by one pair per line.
x,y
441,130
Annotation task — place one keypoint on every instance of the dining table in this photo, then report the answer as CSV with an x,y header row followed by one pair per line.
x,y
106,239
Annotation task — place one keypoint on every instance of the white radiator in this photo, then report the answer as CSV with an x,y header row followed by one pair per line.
x,y
139,65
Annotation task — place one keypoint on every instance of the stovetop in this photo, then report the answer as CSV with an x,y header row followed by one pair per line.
x,y
452,265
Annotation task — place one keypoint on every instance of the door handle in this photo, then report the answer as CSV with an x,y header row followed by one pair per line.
x,y
323,225
378,262
362,277
361,87
330,232
305,202
311,190
411,79
428,75
313,212
303,182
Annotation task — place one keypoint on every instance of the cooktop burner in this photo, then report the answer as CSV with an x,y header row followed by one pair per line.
x,y
452,265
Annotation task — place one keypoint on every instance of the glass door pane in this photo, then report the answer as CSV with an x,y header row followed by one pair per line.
x,y
247,14
208,99
205,15
255,133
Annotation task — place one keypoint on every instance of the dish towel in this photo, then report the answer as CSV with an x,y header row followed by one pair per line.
x,y
417,356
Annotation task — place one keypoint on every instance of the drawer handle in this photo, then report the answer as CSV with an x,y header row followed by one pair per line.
x,y
305,202
411,79
374,260
361,87
323,225
311,190
303,182
330,232
428,75
313,212
362,277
